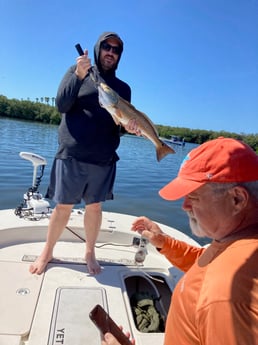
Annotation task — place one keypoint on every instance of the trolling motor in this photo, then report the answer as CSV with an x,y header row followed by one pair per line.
x,y
34,206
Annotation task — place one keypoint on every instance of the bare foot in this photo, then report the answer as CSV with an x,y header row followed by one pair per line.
x,y
40,264
92,264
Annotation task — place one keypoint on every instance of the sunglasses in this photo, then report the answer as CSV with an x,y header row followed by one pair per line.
x,y
108,47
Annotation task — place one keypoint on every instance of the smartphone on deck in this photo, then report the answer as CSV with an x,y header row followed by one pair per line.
x,y
105,324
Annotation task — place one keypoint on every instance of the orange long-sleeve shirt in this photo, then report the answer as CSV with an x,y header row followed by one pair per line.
x,y
216,301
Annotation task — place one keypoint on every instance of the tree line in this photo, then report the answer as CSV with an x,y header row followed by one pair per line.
x,y
199,136
28,110
46,113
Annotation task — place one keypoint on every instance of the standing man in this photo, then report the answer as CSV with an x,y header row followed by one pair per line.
x,y
85,163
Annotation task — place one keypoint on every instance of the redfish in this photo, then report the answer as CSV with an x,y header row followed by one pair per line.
x,y
123,111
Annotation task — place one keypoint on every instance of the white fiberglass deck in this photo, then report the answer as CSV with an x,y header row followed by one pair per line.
x,y
53,308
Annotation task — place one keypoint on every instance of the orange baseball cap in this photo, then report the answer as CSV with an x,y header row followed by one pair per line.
x,y
219,160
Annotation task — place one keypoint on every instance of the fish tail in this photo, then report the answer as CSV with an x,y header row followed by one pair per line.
x,y
162,150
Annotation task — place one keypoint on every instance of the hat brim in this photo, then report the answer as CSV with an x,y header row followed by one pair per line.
x,y
178,188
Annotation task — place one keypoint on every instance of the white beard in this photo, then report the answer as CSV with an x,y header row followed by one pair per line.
x,y
195,227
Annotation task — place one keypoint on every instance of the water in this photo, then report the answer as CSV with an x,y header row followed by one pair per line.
x,y
139,175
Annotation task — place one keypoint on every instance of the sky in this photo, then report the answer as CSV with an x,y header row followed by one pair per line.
x,y
190,63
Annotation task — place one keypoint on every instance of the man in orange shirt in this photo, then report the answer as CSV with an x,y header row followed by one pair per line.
x,y
216,301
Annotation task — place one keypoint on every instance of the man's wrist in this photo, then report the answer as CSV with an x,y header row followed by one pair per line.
x,y
80,77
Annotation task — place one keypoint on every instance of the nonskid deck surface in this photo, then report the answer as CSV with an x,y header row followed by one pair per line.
x,y
56,304
53,308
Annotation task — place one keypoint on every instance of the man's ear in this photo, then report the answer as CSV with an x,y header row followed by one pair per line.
x,y
240,197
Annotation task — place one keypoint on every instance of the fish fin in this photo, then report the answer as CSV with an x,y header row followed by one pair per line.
x,y
117,122
117,117
162,150
134,110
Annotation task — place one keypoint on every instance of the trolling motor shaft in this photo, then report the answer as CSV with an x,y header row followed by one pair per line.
x,y
36,161
33,205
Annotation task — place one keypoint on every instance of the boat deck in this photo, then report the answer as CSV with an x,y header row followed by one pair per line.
x,y
53,308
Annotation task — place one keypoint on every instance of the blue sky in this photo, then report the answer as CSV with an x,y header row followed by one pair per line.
x,y
190,63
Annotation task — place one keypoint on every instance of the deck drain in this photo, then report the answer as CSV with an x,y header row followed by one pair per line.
x,y
23,291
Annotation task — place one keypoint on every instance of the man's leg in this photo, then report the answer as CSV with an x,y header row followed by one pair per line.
x,y
57,223
92,223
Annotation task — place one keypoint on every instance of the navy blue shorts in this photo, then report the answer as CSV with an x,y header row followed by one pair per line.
x,y
72,181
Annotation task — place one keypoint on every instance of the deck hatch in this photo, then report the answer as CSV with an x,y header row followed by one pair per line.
x,y
70,322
